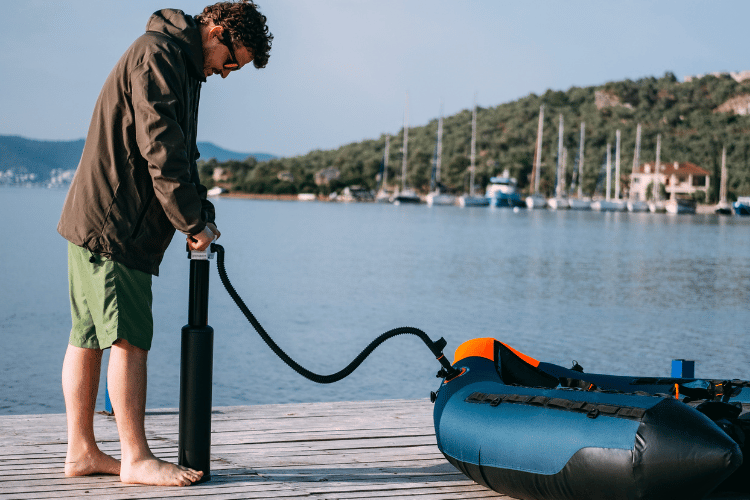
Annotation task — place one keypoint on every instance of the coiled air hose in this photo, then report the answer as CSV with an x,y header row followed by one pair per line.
x,y
436,347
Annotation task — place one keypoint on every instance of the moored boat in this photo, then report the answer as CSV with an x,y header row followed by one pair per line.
x,y
438,198
470,199
637,206
406,196
558,203
501,192
723,208
536,201
742,205
608,205
680,206
579,204
535,430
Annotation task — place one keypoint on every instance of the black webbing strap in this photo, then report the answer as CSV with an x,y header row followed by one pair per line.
x,y
717,390
592,410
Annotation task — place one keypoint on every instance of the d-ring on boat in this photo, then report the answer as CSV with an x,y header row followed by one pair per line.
x,y
534,430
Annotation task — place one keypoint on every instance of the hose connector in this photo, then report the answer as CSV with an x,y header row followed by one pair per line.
x,y
447,371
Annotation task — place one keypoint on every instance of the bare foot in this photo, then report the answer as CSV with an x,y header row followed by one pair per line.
x,y
95,462
158,473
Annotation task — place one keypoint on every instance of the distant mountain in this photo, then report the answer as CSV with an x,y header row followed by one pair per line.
x,y
210,150
29,160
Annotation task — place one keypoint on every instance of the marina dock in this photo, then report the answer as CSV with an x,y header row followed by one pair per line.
x,y
333,451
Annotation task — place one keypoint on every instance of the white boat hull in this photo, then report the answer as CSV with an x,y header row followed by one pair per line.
x,y
558,203
680,207
608,206
535,201
637,206
440,199
576,204
473,201
656,207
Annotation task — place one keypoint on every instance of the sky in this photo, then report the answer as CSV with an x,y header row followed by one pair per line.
x,y
340,70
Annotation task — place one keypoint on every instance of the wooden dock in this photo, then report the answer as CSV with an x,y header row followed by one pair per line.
x,y
333,451
360,450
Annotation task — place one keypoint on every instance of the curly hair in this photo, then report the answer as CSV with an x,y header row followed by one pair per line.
x,y
245,24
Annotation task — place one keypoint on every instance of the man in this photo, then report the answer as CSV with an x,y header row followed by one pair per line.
x,y
137,183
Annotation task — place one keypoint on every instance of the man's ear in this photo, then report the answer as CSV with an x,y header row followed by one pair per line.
x,y
216,32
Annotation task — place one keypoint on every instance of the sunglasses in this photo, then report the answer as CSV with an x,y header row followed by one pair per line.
x,y
232,65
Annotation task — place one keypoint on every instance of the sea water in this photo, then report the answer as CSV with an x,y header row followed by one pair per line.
x,y
620,293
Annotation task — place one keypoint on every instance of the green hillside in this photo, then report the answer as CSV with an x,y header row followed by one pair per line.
x,y
685,114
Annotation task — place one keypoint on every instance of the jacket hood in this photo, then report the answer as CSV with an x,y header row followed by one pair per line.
x,y
185,31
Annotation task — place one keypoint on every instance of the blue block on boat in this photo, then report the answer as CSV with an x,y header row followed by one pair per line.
x,y
683,368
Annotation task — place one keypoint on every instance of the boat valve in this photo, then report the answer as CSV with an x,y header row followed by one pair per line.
x,y
447,371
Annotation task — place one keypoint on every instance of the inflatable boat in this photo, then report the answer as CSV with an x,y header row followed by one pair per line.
x,y
534,430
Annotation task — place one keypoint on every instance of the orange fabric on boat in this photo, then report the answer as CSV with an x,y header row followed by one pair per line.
x,y
524,357
482,348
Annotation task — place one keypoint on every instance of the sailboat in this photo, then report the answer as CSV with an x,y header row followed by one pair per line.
x,y
635,205
607,204
580,203
536,200
656,205
618,204
383,195
405,195
472,200
436,196
723,207
558,202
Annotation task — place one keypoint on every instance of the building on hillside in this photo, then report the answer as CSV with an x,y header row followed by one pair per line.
x,y
680,180
221,174
325,176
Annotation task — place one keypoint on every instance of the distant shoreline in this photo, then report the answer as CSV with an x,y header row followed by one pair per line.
x,y
252,196
699,209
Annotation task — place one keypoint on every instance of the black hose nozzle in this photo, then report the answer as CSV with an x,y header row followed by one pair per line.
x,y
437,349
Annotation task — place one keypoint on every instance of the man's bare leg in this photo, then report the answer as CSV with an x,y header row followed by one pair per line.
x,y
80,381
127,391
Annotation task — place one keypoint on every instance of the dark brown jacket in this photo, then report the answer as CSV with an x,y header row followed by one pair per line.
x,y
137,180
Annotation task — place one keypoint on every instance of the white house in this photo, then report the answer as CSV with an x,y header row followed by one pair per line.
x,y
680,180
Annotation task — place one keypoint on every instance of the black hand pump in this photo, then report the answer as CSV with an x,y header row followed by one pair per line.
x,y
196,372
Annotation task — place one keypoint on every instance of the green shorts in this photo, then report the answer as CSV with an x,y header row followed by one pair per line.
x,y
108,301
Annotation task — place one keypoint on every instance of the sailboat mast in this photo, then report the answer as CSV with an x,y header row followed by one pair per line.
x,y
473,146
538,162
636,155
558,192
723,186
609,171
385,161
657,167
617,165
439,145
563,168
580,160
406,142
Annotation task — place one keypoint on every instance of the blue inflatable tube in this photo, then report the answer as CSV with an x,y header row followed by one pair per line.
x,y
539,431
